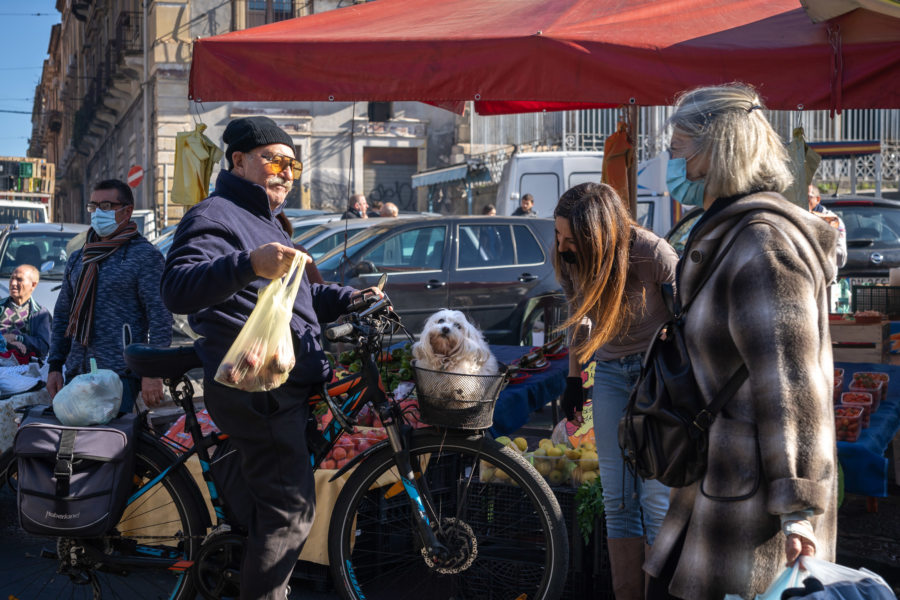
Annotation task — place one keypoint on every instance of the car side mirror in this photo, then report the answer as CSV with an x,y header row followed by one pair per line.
x,y
364,267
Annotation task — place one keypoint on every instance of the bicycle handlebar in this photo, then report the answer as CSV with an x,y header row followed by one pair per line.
x,y
336,332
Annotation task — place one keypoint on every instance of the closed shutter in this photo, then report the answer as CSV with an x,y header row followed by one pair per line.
x,y
387,176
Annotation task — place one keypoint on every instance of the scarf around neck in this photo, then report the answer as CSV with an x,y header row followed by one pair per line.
x,y
81,316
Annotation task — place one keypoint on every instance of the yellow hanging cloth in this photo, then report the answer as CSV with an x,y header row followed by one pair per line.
x,y
618,155
804,162
195,157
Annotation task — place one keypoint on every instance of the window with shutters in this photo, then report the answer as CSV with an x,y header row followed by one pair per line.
x,y
262,12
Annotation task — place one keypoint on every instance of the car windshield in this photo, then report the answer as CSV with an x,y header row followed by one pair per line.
x,y
46,251
303,233
332,259
867,225
331,241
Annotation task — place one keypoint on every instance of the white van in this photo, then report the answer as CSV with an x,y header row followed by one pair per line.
x,y
546,175
23,211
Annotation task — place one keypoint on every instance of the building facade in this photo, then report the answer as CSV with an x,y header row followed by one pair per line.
x,y
114,95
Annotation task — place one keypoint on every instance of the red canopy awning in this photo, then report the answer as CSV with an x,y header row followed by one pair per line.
x,y
552,54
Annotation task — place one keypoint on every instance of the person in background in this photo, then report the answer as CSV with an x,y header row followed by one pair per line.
x,y
611,270
225,251
357,208
816,208
112,281
389,210
25,324
374,210
489,210
526,207
769,493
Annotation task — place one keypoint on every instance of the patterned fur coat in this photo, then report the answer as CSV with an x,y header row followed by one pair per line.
x,y
772,449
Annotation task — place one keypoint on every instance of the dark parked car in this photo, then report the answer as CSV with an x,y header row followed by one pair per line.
x,y
873,237
497,270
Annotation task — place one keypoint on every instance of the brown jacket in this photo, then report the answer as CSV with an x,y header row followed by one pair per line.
x,y
772,449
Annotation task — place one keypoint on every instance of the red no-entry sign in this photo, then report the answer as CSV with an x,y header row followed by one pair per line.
x,y
135,176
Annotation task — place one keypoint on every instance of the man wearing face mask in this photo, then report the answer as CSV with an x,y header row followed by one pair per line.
x,y
227,249
113,280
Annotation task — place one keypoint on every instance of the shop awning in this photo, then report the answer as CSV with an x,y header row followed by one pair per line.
x,y
551,54
452,173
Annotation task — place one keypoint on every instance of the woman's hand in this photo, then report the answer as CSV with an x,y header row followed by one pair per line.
x,y
796,546
573,400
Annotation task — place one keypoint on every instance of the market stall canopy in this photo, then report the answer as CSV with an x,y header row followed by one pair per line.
x,y
565,51
822,10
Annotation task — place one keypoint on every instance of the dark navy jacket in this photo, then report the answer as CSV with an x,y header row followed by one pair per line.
x,y
208,276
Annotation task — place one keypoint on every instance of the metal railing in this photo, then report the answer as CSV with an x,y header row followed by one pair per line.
x,y
586,130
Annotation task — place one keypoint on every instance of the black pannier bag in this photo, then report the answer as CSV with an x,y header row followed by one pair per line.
x,y
664,434
73,481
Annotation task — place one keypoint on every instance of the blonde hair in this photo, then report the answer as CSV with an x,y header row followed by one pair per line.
x,y
601,226
728,127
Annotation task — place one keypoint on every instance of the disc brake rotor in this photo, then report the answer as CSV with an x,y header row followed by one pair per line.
x,y
462,547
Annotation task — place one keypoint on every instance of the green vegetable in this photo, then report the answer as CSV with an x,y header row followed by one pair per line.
x,y
588,507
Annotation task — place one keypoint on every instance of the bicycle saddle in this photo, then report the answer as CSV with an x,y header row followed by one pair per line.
x,y
167,363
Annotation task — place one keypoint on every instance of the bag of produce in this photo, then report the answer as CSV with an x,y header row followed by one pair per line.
x,y
262,355
89,399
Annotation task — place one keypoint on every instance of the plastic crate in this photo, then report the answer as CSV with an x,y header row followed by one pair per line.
x,y
883,298
589,571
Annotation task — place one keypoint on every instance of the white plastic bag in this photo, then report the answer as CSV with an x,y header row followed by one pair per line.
x,y
841,583
89,399
262,355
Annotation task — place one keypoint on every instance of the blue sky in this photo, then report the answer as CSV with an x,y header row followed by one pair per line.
x,y
23,46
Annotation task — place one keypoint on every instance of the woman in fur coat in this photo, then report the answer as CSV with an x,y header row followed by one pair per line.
x,y
770,490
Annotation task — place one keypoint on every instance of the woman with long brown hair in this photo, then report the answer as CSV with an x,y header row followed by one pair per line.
x,y
611,270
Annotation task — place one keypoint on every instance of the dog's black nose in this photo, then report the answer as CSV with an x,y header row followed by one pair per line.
x,y
445,330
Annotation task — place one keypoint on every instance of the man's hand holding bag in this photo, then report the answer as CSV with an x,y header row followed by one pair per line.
x,y
262,355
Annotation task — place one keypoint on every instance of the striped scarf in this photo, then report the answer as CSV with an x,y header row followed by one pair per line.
x,y
81,317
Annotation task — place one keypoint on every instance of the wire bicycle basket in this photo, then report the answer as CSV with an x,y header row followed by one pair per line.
x,y
457,400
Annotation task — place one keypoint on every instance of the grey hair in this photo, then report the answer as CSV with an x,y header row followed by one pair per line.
x,y
728,127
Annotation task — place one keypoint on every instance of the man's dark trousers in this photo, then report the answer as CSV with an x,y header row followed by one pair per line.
x,y
268,430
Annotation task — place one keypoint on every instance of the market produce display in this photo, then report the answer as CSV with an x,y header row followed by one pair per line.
x,y
847,422
559,464
862,400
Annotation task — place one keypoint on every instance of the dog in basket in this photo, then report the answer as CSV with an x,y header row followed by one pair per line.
x,y
450,343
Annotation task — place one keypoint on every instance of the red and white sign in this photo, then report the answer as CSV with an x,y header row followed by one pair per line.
x,y
135,176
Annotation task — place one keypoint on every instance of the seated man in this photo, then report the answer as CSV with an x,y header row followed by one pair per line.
x,y
24,323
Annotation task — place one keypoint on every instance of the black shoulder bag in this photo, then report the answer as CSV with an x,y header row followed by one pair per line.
x,y
664,434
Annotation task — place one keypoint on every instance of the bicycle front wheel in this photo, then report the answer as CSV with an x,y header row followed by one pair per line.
x,y
165,524
499,520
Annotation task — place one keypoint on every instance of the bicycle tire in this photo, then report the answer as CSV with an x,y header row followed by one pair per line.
x,y
166,518
520,547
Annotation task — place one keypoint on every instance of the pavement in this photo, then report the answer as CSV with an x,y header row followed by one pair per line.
x,y
865,538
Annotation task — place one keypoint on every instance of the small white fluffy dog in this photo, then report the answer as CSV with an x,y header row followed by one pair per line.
x,y
450,343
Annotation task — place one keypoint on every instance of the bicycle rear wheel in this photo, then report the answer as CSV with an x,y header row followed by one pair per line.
x,y
165,522
506,540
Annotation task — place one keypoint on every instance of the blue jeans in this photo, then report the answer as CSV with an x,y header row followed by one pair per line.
x,y
623,497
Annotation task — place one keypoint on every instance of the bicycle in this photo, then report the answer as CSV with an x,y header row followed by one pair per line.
x,y
436,531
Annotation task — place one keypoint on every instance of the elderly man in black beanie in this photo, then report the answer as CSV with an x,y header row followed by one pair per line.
x,y
226,249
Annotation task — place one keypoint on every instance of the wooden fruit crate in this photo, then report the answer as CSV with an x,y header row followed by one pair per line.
x,y
852,342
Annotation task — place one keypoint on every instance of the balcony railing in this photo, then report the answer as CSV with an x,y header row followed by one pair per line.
x,y
128,33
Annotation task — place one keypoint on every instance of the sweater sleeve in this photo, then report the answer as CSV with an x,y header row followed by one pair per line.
x,y
205,266
330,301
159,318
59,343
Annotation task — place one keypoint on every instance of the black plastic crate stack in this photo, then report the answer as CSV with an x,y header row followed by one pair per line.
x,y
883,298
589,574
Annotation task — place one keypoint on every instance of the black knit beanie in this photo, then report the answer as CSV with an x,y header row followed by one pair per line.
x,y
247,133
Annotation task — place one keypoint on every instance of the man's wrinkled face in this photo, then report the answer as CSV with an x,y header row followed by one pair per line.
x,y
21,284
257,166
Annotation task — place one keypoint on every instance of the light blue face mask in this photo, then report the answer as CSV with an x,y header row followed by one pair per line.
x,y
104,222
689,193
